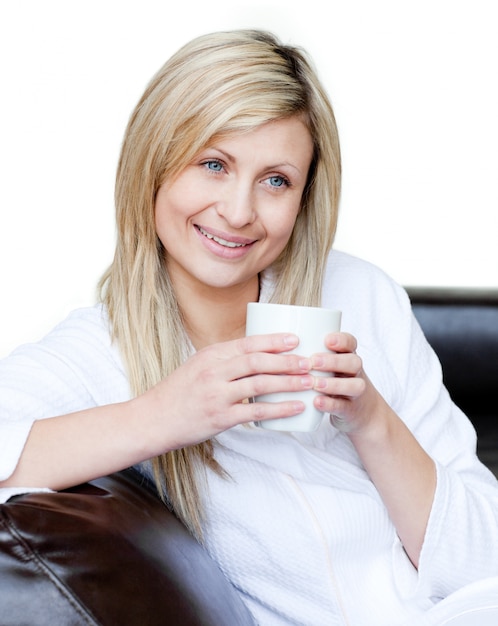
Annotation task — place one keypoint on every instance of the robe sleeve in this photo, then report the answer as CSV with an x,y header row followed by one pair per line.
x,y
74,367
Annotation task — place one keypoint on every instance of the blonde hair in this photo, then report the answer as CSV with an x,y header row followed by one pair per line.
x,y
219,84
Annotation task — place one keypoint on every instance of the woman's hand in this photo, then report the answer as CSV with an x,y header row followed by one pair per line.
x,y
208,393
348,395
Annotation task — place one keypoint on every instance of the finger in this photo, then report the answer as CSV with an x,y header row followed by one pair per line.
x,y
340,387
262,384
272,342
260,411
335,405
339,364
341,342
264,363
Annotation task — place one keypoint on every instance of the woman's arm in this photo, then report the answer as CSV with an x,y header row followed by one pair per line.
x,y
404,475
70,449
400,469
200,399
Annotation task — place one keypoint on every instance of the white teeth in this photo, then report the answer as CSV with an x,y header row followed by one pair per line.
x,y
223,242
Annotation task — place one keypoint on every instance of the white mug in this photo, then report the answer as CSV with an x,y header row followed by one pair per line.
x,y
311,325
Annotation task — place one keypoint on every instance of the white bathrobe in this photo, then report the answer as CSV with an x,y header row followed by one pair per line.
x,y
298,527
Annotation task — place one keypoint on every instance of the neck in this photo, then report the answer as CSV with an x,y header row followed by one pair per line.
x,y
215,315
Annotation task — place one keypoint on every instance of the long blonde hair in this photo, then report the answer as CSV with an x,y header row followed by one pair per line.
x,y
219,84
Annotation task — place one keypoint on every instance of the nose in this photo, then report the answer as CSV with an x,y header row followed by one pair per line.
x,y
237,204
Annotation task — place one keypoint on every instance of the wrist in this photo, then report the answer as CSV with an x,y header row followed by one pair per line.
x,y
377,429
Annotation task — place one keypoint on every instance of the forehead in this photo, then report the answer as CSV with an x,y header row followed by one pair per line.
x,y
290,134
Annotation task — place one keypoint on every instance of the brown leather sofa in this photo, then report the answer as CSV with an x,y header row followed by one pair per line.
x,y
109,553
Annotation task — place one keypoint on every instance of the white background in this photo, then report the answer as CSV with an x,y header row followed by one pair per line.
x,y
415,89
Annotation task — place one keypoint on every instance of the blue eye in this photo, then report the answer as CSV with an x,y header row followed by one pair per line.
x,y
277,181
214,166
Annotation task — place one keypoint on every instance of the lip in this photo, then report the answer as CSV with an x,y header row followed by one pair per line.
x,y
239,247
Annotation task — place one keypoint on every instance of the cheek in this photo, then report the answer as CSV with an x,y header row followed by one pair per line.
x,y
278,235
170,204
283,224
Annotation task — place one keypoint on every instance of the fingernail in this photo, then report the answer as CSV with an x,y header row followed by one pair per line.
x,y
317,361
305,364
291,341
298,407
320,382
307,381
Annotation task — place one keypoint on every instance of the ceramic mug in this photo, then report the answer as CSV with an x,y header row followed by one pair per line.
x,y
311,325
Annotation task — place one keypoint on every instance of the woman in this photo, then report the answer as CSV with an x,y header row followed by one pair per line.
x,y
227,193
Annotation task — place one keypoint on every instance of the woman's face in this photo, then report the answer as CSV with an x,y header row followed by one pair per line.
x,y
231,211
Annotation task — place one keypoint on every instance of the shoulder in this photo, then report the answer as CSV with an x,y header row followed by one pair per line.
x,y
347,269
377,311
85,323
81,344
74,366
83,331
353,285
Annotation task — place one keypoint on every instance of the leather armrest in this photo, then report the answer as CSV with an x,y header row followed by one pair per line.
x,y
108,552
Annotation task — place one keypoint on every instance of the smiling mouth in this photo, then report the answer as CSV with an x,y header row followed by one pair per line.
x,y
222,242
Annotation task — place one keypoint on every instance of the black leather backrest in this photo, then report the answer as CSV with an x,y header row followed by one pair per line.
x,y
462,327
